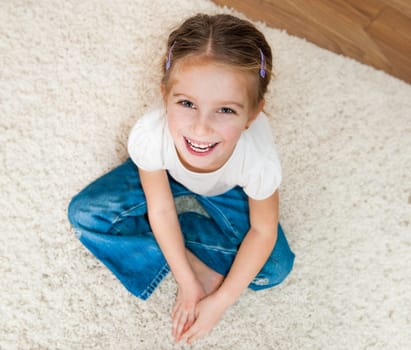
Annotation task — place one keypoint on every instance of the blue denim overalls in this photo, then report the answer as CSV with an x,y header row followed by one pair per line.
x,y
110,218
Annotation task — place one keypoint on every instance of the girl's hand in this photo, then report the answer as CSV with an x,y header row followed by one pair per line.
x,y
208,313
183,314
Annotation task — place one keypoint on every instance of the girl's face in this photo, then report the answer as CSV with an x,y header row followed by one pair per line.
x,y
208,107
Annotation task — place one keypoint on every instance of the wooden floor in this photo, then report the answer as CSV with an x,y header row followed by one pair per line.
x,y
375,32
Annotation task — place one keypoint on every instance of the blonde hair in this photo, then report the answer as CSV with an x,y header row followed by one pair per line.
x,y
224,39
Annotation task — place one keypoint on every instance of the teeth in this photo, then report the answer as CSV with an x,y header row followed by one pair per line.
x,y
200,148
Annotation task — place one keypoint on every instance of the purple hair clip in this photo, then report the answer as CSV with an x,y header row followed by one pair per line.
x,y
262,67
168,62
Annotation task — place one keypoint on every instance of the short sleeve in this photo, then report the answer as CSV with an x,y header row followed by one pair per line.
x,y
264,178
146,141
262,164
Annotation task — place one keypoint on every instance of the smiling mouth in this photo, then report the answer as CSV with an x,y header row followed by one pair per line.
x,y
199,147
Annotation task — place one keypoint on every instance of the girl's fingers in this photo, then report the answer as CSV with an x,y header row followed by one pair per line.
x,y
190,321
178,324
175,309
192,335
182,324
180,328
176,321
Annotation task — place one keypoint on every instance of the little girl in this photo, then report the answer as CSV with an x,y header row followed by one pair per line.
x,y
211,143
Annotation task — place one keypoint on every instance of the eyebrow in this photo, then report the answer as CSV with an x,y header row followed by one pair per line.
x,y
221,103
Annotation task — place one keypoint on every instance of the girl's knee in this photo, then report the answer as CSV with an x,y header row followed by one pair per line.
x,y
80,211
284,267
75,211
274,272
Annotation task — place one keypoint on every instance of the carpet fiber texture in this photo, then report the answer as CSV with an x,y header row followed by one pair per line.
x,y
76,75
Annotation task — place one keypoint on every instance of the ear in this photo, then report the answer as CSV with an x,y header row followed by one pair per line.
x,y
255,113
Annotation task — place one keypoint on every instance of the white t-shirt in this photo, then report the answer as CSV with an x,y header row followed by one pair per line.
x,y
254,164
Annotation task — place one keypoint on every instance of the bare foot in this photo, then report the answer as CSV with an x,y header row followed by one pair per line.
x,y
209,279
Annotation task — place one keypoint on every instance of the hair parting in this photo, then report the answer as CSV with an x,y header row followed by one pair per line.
x,y
223,39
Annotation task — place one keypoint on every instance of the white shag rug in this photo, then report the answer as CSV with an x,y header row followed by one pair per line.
x,y
75,76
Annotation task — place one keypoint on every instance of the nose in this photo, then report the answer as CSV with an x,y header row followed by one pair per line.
x,y
202,125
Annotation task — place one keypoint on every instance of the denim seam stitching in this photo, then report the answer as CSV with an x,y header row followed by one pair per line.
x,y
127,211
225,218
155,282
210,247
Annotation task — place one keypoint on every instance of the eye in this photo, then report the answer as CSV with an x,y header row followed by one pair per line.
x,y
227,110
186,103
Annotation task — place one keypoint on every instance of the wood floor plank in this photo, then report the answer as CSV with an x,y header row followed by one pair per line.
x,y
391,30
375,32
403,6
369,8
394,29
